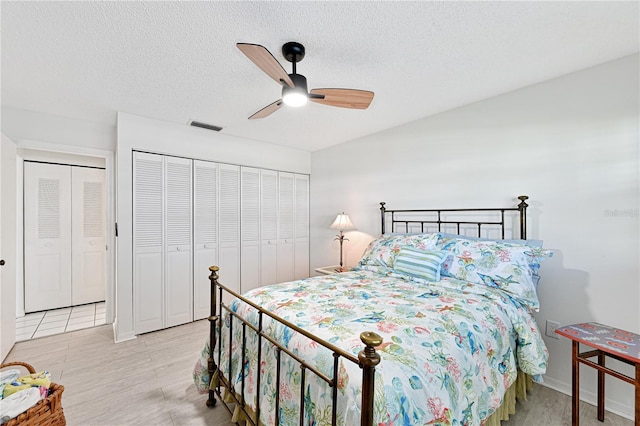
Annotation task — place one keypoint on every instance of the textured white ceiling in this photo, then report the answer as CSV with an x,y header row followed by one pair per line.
x,y
177,61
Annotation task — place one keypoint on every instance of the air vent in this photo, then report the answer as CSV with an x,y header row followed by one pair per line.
x,y
205,126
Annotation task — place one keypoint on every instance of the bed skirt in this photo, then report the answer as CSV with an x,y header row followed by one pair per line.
x,y
517,391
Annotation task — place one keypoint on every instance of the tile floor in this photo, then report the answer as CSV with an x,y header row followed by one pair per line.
x,y
57,321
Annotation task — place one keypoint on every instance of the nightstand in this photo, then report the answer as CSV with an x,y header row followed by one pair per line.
x,y
333,269
608,342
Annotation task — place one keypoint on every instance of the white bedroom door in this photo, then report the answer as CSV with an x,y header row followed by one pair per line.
x,y
47,236
88,245
162,235
8,237
178,278
148,259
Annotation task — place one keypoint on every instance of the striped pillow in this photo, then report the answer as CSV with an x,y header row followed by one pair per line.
x,y
420,263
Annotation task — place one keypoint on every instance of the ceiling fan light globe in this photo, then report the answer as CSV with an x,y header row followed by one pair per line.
x,y
295,99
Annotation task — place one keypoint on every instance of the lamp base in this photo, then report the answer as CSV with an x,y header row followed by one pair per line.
x,y
342,239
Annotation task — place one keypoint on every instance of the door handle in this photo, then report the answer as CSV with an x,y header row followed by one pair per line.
x,y
1,262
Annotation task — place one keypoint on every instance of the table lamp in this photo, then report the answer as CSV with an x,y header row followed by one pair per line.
x,y
342,223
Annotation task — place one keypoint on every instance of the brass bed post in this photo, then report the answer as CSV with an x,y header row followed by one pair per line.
x,y
213,319
369,358
382,211
523,216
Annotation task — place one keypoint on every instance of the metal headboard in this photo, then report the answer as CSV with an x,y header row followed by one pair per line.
x,y
440,218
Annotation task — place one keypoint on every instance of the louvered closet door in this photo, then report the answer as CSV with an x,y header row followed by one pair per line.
x,y
229,226
178,278
148,262
205,228
301,253
250,229
47,236
269,226
286,226
88,253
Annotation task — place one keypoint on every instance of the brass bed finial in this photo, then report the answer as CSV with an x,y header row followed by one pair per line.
x,y
370,339
214,272
523,216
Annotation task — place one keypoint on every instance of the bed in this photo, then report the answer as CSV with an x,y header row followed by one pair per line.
x,y
434,326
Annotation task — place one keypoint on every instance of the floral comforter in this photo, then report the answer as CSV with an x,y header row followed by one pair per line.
x,y
450,348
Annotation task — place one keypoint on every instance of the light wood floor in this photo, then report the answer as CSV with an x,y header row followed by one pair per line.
x,y
147,381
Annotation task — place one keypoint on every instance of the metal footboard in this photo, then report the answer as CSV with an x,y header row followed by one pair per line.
x,y
367,359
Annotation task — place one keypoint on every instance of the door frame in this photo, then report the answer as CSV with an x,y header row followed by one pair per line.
x,y
109,164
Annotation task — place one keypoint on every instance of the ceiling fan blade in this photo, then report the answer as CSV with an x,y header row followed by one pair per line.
x,y
343,98
268,110
260,56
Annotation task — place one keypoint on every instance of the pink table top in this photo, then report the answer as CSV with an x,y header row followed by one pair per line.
x,y
609,339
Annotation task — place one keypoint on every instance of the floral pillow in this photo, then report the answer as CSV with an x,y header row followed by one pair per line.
x,y
383,251
509,267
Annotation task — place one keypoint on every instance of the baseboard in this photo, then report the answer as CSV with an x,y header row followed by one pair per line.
x,y
590,397
121,337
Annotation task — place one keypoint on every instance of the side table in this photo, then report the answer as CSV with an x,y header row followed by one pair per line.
x,y
335,269
607,342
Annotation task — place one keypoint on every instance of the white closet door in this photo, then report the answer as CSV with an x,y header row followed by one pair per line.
x,y
88,250
178,278
229,226
47,236
301,254
148,263
205,228
269,226
286,226
250,229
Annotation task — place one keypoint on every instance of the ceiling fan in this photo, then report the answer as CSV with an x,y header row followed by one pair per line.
x,y
294,85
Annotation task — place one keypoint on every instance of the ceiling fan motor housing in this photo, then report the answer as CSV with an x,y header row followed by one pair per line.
x,y
299,81
293,51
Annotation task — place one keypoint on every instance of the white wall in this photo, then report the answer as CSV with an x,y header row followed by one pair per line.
x,y
21,125
144,134
571,144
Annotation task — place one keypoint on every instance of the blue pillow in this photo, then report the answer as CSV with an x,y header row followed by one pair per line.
x,y
420,263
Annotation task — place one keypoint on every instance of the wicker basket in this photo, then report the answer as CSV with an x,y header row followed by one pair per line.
x,y
46,412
